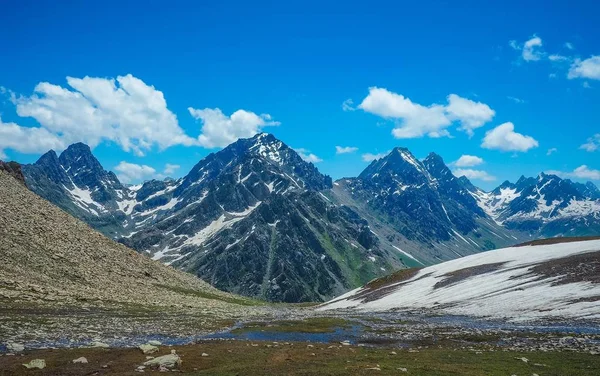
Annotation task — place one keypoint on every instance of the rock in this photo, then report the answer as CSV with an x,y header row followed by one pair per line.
x,y
523,359
82,360
99,345
393,353
148,348
166,361
15,347
345,343
402,369
36,363
154,342
204,354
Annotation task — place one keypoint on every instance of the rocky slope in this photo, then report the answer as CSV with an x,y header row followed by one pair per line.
x,y
544,206
47,255
254,219
422,208
257,220
555,279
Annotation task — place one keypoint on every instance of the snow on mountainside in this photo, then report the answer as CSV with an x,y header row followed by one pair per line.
x,y
530,282
547,205
423,208
254,218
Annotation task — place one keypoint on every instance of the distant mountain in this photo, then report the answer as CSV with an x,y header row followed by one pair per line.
x,y
76,182
253,218
550,279
544,206
258,220
430,212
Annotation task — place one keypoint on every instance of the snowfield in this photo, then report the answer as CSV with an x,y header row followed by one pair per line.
x,y
526,283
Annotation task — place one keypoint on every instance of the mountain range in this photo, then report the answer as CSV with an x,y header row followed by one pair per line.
x,y
257,220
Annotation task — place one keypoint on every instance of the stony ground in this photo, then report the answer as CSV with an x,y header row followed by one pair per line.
x,y
297,358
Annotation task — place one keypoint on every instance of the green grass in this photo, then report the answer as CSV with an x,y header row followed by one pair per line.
x,y
264,358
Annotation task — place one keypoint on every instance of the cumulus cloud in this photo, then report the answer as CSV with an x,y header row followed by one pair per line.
x,y
466,160
416,120
368,157
348,105
308,156
27,140
581,172
592,144
474,174
171,168
531,50
588,68
124,110
220,130
470,114
345,149
134,173
504,137
551,151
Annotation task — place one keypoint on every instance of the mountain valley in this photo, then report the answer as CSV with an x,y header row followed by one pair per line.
x,y
257,220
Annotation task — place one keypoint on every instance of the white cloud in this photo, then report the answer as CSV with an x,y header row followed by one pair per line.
x,y
308,156
134,173
592,144
466,160
471,114
125,111
504,137
171,168
27,140
348,105
569,45
516,100
220,130
474,174
581,172
558,58
368,157
345,149
416,120
588,68
584,172
12,96
551,151
531,50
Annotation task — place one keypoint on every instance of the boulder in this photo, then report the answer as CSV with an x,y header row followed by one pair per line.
x,y
36,363
148,348
166,361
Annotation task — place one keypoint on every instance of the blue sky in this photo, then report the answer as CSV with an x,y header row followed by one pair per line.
x,y
290,67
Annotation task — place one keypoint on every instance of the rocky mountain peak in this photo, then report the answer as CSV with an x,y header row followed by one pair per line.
x,y
244,156
400,165
47,159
